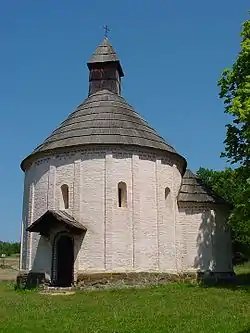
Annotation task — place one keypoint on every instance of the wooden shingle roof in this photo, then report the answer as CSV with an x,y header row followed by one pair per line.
x,y
104,118
194,190
105,53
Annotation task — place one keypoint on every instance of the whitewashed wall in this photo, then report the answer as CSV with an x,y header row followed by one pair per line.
x,y
147,235
204,238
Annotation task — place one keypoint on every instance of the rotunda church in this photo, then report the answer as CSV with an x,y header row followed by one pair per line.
x,y
106,193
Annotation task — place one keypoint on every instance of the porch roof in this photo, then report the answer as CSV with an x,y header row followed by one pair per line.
x,y
53,218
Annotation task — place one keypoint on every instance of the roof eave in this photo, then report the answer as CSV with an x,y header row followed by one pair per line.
x,y
215,201
92,64
33,156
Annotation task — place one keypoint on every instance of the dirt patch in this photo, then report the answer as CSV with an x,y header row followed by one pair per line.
x,y
9,268
8,274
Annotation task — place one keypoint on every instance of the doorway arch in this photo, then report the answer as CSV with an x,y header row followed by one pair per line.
x,y
64,260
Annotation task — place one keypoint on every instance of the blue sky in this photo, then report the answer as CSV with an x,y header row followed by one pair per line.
x,y
172,53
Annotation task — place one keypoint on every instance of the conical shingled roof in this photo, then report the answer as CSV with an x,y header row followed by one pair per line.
x,y
104,118
105,53
194,190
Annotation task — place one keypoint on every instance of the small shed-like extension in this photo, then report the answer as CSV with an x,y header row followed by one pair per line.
x,y
206,236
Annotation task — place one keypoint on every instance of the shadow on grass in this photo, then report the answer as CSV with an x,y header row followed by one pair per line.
x,y
239,282
243,279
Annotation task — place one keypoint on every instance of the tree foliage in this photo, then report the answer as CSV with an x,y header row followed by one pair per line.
x,y
224,183
235,91
9,249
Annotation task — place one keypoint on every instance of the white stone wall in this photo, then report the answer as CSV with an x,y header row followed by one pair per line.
x,y
118,220
168,177
148,235
92,212
25,221
204,238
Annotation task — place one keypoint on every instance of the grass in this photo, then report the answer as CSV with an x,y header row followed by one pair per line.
x,y
243,269
12,261
170,308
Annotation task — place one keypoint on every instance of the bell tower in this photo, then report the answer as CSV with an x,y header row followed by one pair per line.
x,y
105,71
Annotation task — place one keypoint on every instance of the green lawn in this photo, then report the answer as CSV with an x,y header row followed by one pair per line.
x,y
243,269
170,308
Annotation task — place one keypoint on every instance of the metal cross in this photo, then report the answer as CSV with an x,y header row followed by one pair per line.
x,y
106,30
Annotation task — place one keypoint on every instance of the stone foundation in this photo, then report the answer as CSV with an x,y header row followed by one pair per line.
x,y
131,279
31,280
123,280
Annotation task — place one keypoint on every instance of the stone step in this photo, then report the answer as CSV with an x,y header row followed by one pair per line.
x,y
57,291
51,288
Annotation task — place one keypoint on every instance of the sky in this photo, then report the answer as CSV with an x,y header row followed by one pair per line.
x,y
172,53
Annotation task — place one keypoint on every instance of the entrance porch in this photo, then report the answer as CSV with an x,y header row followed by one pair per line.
x,y
59,235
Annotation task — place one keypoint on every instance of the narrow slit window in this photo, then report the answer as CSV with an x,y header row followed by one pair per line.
x,y
167,197
122,194
167,192
64,196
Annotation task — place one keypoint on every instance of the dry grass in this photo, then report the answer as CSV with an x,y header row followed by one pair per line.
x,y
9,268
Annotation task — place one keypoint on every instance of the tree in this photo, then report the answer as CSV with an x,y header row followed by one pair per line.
x,y
225,184
9,249
235,91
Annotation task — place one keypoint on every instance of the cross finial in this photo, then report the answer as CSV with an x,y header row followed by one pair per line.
x,y
106,30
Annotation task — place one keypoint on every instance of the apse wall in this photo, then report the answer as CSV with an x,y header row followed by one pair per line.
x,y
140,236
206,239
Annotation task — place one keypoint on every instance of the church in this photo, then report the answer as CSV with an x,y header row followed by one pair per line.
x,y
105,193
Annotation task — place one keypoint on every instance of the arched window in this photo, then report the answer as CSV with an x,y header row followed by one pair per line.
x,y
64,197
167,197
167,192
122,194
